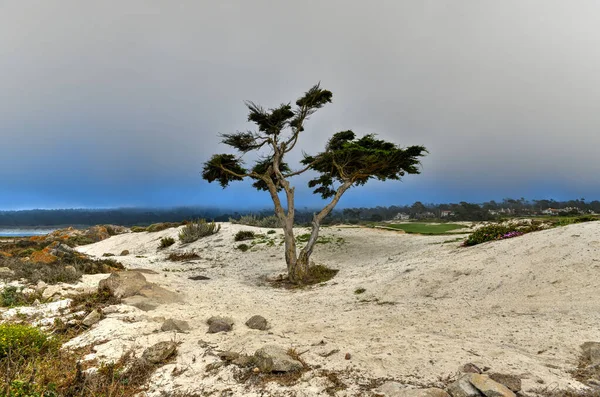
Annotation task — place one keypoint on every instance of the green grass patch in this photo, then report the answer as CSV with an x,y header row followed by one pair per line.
x,y
425,228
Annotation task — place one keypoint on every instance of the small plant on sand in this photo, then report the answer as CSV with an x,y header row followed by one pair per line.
x,y
198,229
244,235
183,256
243,247
492,233
359,291
166,242
12,296
271,232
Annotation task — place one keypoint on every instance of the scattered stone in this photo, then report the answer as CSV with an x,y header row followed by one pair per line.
x,y
198,278
71,269
92,318
175,325
124,253
470,368
591,352
108,255
124,284
257,322
463,388
41,286
159,352
214,366
348,356
488,387
273,358
219,324
432,392
5,272
513,382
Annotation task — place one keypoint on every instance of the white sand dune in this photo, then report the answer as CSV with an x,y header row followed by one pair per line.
x,y
520,306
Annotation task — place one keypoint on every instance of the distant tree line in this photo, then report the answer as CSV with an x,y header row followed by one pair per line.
x,y
462,211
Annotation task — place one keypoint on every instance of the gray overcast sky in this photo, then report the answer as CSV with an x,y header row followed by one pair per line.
x,y
114,103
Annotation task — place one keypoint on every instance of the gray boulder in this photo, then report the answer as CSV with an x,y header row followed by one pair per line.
x,y
159,352
219,324
124,284
141,303
257,322
513,382
124,253
462,387
175,325
5,272
489,387
92,318
273,358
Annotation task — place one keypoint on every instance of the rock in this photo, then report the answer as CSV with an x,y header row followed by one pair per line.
x,y
92,318
124,284
591,352
141,303
41,286
199,278
219,324
175,325
70,269
404,392
273,358
513,382
390,388
488,387
463,388
97,233
348,356
5,272
159,352
470,368
257,322
124,253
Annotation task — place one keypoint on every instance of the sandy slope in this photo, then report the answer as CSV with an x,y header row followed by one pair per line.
x,y
522,305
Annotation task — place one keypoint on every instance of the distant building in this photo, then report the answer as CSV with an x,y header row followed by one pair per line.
x,y
401,216
445,214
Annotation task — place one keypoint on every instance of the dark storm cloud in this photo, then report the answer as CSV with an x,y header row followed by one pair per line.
x,y
119,102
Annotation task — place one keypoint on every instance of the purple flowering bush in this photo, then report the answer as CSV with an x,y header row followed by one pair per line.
x,y
494,232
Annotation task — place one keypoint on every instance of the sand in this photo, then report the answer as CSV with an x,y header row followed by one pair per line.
x,y
520,306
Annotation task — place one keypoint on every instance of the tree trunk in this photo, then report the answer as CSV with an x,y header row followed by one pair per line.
x,y
300,270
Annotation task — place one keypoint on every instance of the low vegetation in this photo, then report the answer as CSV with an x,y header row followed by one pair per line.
x,y
198,229
253,220
182,256
12,296
244,235
243,247
166,242
425,228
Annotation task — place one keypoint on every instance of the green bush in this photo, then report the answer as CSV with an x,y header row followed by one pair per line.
x,y
22,341
244,235
12,296
198,229
138,229
252,220
271,232
491,233
157,227
166,242
243,247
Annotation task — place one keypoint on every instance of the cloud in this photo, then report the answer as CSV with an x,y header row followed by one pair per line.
x,y
126,98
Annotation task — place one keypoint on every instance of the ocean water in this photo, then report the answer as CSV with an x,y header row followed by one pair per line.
x,y
24,232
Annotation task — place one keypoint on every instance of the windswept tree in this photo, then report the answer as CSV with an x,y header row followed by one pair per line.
x,y
346,161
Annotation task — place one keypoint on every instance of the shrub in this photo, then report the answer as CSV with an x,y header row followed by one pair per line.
x,y
243,247
252,220
157,227
271,232
185,256
12,296
22,341
166,242
244,235
198,229
138,229
493,232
